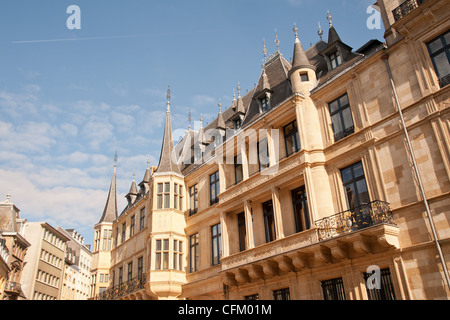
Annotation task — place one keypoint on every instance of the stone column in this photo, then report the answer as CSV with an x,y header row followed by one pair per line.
x,y
277,213
249,239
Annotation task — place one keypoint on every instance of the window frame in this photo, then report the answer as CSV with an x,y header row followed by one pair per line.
x,y
216,183
341,108
445,79
216,244
194,253
269,222
294,135
193,199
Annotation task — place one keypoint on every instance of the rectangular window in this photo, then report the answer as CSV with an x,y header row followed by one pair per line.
x,y
120,276
242,231
291,138
439,50
124,228
281,294
355,186
301,214
158,253
335,60
214,188
252,297
193,200
269,221
265,104
216,243
117,237
175,195
142,219
304,77
159,196
166,195
180,197
333,289
162,254
238,173
140,270
263,154
130,271
132,226
386,289
341,118
193,253
177,255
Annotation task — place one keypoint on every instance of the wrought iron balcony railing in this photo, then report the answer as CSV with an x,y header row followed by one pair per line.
x,y
118,291
405,8
444,81
374,213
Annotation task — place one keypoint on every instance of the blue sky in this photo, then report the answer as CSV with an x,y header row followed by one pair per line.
x,y
67,106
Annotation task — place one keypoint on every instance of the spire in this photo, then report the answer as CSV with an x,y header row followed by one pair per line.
x,y
264,50
110,211
240,104
220,120
277,41
320,32
332,33
300,59
166,162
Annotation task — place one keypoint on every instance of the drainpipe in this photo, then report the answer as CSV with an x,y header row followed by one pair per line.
x,y
416,171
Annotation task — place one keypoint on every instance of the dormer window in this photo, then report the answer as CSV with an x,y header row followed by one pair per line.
x,y
237,124
265,103
335,60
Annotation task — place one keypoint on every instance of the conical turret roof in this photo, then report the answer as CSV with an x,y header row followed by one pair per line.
x,y
110,211
166,162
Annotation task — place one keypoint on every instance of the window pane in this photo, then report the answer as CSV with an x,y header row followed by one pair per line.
x,y
166,245
159,202
435,45
166,187
158,245
343,100
337,124
347,116
166,260
334,106
442,64
166,201
160,187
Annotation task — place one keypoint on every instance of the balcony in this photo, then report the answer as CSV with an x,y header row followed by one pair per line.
x,y
374,213
123,289
405,8
368,229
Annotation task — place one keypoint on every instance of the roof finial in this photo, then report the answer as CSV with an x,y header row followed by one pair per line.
x,y
330,18
115,159
295,30
201,121
320,32
277,41
190,119
234,95
265,50
220,106
134,175
148,163
239,89
168,93
8,197
168,98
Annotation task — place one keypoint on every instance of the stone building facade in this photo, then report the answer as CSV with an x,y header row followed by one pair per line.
x,y
330,179
43,272
13,248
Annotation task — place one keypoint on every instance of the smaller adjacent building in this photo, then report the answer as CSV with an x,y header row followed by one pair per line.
x,y
13,248
43,272
77,273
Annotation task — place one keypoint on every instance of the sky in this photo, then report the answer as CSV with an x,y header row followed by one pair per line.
x,y
71,98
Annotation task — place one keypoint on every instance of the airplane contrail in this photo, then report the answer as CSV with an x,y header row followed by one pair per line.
x,y
80,39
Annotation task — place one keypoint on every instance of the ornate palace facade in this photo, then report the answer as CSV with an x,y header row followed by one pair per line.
x,y
330,179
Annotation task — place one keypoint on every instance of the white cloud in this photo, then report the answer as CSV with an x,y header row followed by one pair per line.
x,y
201,100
